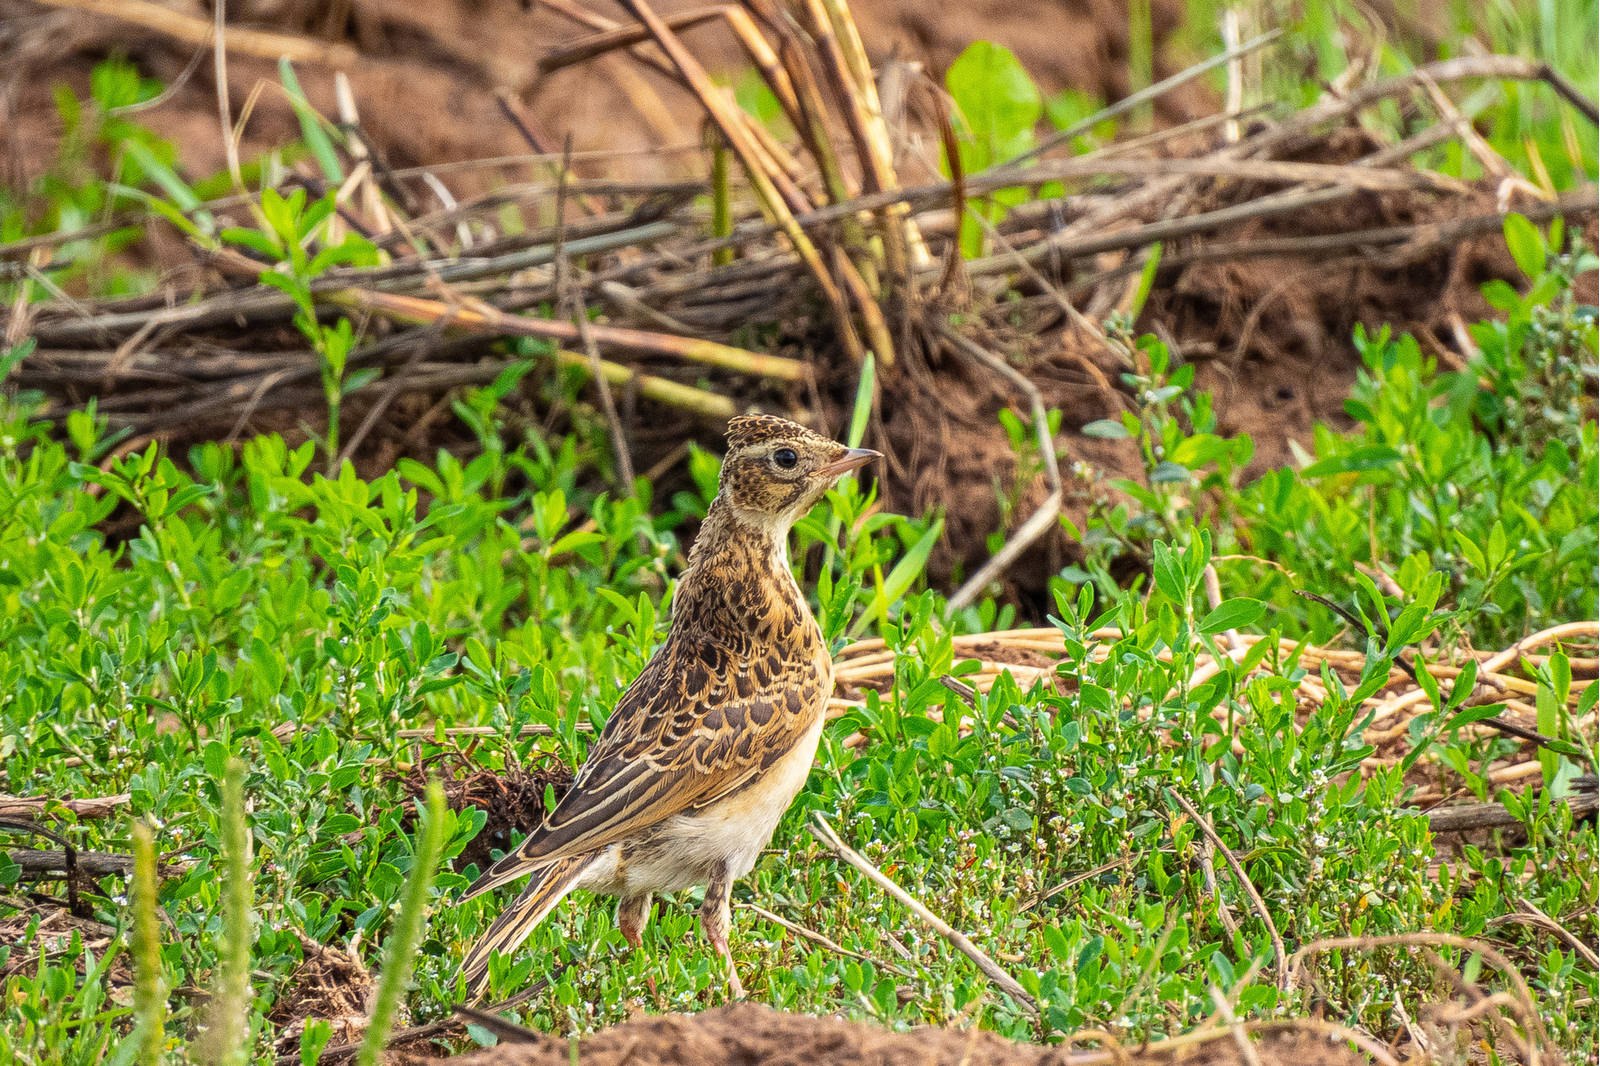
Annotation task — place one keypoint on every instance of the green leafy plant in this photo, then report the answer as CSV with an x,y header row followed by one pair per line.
x,y
998,107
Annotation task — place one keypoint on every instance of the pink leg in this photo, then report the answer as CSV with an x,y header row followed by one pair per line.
x,y
632,914
715,919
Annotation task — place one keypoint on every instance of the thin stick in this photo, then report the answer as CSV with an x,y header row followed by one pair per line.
x,y
224,110
197,31
1043,519
1200,820
991,969
817,938
580,318
1144,96
87,807
478,317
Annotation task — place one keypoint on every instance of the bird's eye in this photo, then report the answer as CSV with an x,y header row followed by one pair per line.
x,y
785,458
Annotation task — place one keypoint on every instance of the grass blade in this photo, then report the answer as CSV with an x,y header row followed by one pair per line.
x,y
311,126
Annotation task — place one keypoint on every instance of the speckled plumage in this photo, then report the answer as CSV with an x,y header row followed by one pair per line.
x,y
712,741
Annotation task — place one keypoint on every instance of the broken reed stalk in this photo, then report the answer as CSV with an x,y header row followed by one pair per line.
x,y
850,93
1045,517
149,986
721,200
400,953
481,318
737,131
474,315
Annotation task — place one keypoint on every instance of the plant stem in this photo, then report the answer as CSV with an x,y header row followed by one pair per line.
x,y
401,952
149,993
228,1037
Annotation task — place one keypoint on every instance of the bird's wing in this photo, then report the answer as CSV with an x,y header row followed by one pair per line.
x,y
698,724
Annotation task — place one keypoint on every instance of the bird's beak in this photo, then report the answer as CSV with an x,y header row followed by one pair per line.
x,y
853,459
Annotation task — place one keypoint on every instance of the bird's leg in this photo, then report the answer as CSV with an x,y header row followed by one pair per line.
x,y
715,920
632,914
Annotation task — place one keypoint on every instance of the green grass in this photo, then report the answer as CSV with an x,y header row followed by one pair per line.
x,y
256,610
260,621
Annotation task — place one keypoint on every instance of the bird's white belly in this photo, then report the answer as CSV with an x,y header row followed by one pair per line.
x,y
687,847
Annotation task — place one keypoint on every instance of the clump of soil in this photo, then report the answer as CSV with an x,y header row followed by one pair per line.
x,y
424,77
331,985
747,1034
1273,336
513,800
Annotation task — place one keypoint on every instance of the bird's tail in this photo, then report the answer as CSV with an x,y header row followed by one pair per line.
x,y
550,883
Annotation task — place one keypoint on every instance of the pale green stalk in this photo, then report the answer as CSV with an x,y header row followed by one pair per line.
x,y
401,952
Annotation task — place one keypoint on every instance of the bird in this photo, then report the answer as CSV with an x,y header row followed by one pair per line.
x,y
704,752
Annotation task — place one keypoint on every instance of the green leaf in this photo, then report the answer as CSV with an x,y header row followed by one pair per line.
x,y
866,389
1147,281
1473,714
1167,472
1167,569
255,240
1105,429
1526,244
998,101
1232,614
1356,460
997,107
311,126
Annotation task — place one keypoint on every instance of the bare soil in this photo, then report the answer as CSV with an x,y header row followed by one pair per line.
x,y
1271,337
746,1034
424,75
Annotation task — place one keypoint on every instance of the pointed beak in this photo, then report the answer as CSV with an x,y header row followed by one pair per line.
x,y
853,459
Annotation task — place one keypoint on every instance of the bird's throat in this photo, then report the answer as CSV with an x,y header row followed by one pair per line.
x,y
739,563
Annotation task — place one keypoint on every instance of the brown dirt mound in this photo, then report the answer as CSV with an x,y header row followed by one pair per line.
x,y
424,76
1271,336
746,1034
331,985
512,801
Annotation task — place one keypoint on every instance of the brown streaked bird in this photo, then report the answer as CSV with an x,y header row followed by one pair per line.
x,y
710,744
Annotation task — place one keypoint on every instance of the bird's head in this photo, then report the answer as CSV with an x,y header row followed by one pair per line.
x,y
776,470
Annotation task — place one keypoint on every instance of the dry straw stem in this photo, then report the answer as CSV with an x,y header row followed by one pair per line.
x,y
476,316
1044,518
1116,1054
779,197
1293,130
1527,1010
1567,632
198,31
1260,905
31,807
991,969
871,664
738,133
